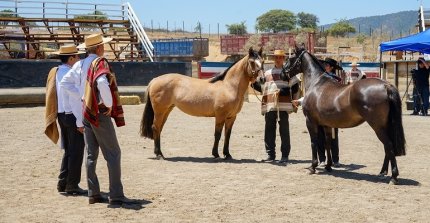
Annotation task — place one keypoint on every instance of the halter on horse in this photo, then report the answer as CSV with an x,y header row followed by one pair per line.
x,y
328,104
221,97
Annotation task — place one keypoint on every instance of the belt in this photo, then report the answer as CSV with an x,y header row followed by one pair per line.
x,y
65,113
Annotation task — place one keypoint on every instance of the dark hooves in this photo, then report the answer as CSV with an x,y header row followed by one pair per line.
x,y
216,156
159,157
394,181
328,168
228,157
311,170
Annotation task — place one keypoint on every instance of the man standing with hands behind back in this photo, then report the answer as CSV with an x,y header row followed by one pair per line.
x,y
101,103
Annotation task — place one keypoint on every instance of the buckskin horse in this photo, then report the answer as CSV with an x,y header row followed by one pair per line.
x,y
221,97
328,104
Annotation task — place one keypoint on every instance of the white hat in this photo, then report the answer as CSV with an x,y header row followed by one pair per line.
x,y
355,64
94,40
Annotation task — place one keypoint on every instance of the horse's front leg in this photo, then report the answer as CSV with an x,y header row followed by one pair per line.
x,y
219,123
328,133
313,133
227,132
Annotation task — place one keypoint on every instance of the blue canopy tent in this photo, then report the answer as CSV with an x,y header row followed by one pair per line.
x,y
419,42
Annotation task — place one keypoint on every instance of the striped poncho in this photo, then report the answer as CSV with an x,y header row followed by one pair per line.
x,y
278,94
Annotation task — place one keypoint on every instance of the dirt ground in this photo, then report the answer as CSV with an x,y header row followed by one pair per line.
x,y
191,187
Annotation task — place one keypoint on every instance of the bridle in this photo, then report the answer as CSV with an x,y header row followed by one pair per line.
x,y
296,63
254,73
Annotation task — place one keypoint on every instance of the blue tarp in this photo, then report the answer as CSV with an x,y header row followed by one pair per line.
x,y
419,42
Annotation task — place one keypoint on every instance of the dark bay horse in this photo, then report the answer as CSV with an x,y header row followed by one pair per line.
x,y
328,104
220,97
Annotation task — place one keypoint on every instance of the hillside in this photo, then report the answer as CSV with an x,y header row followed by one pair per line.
x,y
394,23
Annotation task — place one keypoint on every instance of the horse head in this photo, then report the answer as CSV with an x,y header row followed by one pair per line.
x,y
294,64
255,63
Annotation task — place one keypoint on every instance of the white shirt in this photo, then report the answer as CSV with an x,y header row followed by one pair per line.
x,y
105,95
63,103
73,84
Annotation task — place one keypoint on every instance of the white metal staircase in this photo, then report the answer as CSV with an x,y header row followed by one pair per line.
x,y
140,32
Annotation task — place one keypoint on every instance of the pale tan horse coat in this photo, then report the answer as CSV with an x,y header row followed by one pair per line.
x,y
221,97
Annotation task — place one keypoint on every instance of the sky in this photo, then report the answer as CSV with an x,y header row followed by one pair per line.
x,y
210,13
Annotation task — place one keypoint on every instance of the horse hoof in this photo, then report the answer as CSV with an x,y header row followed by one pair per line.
x,y
382,176
160,157
311,170
216,156
394,181
228,157
328,168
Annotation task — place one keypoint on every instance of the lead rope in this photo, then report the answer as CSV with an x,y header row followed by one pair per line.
x,y
275,99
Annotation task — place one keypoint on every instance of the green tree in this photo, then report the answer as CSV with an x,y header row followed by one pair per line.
x,y
237,28
276,20
307,20
96,15
341,28
7,13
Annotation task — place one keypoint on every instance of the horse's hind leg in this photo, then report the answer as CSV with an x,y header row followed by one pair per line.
x,y
227,132
159,121
219,123
389,155
384,169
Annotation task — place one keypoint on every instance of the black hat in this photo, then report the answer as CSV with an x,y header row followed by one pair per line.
x,y
421,60
332,62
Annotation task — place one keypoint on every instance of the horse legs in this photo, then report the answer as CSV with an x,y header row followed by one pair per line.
x,y
219,123
313,132
159,121
384,170
327,145
227,132
389,155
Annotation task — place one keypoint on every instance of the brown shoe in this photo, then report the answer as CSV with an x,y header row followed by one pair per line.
x,y
97,199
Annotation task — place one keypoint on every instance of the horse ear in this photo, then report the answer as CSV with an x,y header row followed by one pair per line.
x,y
260,52
251,51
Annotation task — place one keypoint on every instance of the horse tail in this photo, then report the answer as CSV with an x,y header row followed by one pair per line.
x,y
395,126
147,117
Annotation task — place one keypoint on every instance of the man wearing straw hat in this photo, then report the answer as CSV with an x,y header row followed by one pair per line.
x,y
275,106
101,103
72,140
355,74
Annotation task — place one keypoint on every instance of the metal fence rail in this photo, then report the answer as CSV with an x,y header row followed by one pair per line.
x,y
67,9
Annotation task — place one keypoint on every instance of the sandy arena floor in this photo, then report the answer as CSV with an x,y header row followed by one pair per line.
x,y
190,187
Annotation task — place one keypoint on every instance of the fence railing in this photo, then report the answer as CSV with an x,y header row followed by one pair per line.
x,y
64,9
140,32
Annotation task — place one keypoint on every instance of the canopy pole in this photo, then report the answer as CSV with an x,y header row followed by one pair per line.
x,y
380,64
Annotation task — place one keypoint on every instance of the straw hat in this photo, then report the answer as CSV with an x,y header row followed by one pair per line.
x,y
94,40
279,53
354,63
68,50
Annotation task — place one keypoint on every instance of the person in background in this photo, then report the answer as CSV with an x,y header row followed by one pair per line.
x,y
355,74
276,106
72,139
420,77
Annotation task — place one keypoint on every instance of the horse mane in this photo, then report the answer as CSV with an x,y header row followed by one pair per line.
x,y
317,61
221,76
